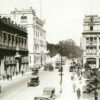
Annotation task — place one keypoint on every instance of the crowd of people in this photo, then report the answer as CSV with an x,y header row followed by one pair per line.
x,y
9,76
77,79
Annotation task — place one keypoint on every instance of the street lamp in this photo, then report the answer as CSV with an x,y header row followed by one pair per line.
x,y
61,72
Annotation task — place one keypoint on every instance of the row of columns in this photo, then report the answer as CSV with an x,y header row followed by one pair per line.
x,y
12,40
85,43
12,69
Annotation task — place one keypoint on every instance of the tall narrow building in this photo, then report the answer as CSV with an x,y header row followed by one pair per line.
x,y
91,41
36,35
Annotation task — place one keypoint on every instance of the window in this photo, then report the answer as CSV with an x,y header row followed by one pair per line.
x,y
91,19
23,19
95,40
91,39
91,47
30,59
87,48
91,28
4,36
87,40
95,48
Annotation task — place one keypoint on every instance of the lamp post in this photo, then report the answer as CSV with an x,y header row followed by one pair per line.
x,y
61,72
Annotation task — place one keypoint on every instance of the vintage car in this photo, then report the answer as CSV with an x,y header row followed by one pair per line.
x,y
41,98
48,67
50,92
58,64
35,71
34,81
72,68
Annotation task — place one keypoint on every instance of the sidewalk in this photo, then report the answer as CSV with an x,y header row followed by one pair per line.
x,y
5,84
14,77
67,89
18,76
82,84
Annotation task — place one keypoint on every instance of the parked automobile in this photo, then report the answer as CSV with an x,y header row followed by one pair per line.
x,y
35,71
48,67
72,68
58,64
34,81
50,92
41,98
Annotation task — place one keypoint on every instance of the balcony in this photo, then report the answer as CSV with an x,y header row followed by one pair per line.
x,y
91,43
2,46
8,47
24,61
10,62
91,31
91,53
23,49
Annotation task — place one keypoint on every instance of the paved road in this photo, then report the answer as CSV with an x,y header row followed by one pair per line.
x,y
47,79
19,90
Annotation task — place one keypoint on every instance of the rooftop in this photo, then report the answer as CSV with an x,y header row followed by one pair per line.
x,y
24,11
12,24
89,18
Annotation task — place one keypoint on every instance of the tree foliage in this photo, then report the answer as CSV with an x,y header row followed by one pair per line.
x,y
66,48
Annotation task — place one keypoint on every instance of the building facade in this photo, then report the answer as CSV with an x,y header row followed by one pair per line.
x,y
36,35
13,48
91,41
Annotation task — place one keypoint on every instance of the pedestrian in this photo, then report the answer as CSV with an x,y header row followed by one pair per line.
x,y
81,73
78,93
74,87
0,88
72,77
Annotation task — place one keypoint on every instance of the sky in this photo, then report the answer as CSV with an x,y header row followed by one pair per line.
x,y
64,18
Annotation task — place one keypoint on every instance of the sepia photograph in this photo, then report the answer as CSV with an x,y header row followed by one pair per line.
x,y
49,49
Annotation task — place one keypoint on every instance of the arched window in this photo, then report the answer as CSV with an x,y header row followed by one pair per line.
x,y
91,39
23,19
91,22
91,28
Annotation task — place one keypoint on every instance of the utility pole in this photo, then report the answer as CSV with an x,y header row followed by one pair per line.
x,y
61,72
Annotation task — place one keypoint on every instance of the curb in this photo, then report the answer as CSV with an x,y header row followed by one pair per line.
x,y
15,77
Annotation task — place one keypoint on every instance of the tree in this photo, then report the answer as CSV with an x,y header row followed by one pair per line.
x,y
69,49
93,84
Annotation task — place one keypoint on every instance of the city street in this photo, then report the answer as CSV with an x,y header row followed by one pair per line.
x,y
22,92
50,50
47,79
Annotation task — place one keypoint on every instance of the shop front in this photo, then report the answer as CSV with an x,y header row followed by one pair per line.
x,y
91,62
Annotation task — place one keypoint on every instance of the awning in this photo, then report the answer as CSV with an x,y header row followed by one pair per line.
x,y
91,59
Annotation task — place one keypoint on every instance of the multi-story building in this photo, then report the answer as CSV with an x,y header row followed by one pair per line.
x,y
91,41
36,35
13,48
